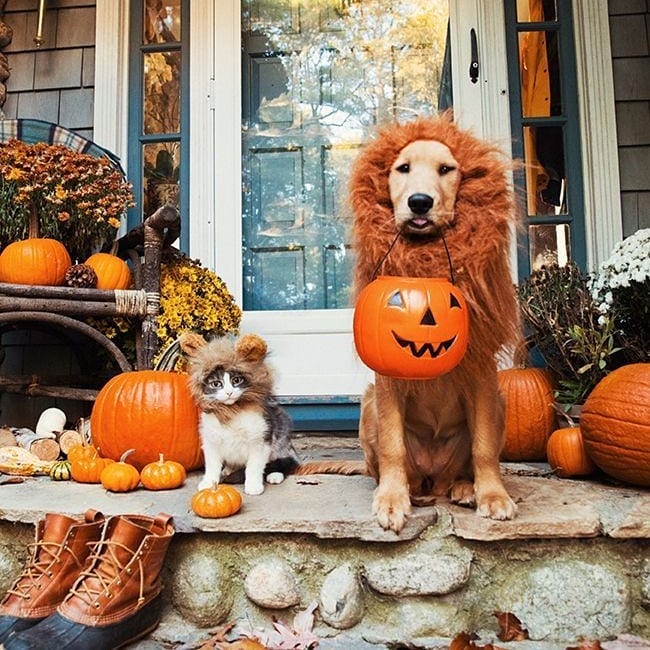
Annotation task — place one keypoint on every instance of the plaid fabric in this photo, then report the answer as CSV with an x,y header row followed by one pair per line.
x,y
32,131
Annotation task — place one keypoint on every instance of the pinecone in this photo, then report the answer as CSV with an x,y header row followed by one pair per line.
x,y
81,276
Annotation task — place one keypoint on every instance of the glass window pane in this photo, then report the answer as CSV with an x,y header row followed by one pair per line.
x,y
162,21
544,160
317,76
549,244
540,74
536,11
161,172
162,92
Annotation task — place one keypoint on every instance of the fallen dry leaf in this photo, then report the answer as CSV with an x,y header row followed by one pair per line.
x,y
465,641
586,644
510,628
218,641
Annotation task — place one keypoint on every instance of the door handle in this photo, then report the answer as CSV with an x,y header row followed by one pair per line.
x,y
473,66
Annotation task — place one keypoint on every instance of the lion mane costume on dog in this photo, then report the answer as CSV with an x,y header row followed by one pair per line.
x,y
451,428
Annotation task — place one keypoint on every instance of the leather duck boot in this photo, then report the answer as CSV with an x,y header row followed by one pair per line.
x,y
116,598
58,556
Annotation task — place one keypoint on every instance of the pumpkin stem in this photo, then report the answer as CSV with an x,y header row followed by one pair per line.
x,y
32,232
521,354
125,454
562,413
161,459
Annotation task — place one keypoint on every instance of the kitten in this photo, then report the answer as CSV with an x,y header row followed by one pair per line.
x,y
242,426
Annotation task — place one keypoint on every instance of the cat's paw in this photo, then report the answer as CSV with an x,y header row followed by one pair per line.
x,y
274,478
254,487
206,483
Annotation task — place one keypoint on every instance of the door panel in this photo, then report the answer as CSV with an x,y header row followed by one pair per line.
x,y
318,76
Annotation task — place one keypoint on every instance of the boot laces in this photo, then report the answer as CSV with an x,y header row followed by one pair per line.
x,y
105,567
44,556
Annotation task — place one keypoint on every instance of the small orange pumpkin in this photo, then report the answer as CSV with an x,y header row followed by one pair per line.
x,y
217,501
162,474
82,451
566,453
413,328
529,412
89,470
38,261
112,271
120,476
615,424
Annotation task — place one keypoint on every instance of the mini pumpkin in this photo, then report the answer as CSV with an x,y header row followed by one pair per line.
x,y
120,476
162,474
566,453
81,452
89,470
217,501
39,261
112,272
60,471
413,328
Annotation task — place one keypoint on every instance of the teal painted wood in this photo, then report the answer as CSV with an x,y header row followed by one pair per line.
x,y
135,116
568,120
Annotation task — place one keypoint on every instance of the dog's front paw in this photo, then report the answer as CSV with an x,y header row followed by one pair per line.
x,y
496,506
462,493
391,508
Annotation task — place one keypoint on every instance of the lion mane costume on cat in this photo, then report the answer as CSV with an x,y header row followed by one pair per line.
x,y
440,436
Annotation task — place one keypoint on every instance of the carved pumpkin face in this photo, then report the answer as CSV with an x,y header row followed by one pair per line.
x,y
412,328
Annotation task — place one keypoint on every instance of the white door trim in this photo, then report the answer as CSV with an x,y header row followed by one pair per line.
x,y
600,171
110,119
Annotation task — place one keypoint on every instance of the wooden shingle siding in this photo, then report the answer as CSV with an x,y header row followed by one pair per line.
x,y
630,37
56,82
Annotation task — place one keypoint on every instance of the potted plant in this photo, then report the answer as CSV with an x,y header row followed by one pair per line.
x,y
575,340
49,190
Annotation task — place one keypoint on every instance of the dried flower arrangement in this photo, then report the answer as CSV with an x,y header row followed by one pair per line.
x,y
192,298
49,190
575,340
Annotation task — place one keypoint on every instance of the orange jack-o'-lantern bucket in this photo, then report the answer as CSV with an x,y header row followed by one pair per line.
x,y
411,328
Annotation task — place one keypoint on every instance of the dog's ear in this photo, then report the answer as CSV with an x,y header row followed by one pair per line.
x,y
190,343
251,347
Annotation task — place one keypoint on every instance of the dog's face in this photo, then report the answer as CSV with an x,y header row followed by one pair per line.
x,y
423,183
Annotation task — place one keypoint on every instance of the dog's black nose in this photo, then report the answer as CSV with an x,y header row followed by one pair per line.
x,y
420,203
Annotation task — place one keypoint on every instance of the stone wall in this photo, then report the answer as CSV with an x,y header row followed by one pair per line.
x,y
422,592
575,561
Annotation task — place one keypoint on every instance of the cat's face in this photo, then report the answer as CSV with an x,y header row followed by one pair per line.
x,y
225,386
223,373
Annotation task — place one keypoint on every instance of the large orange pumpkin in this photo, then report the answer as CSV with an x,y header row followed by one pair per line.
x,y
529,414
112,271
615,424
151,411
413,328
38,261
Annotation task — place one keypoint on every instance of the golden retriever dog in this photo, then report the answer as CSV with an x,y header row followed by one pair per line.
x,y
418,182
